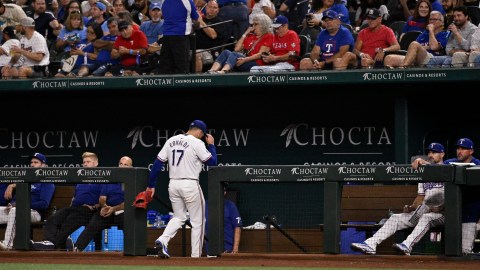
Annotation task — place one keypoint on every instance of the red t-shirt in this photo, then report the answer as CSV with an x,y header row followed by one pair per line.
x,y
251,40
382,38
138,40
283,45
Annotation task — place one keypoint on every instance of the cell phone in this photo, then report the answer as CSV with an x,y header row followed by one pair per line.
x,y
265,53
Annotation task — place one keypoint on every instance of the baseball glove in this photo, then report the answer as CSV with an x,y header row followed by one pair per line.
x,y
436,202
142,199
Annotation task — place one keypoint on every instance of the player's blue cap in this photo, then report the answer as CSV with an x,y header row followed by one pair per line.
x,y
199,124
38,156
436,147
465,143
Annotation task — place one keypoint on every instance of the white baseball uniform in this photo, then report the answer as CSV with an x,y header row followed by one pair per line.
x,y
402,221
185,155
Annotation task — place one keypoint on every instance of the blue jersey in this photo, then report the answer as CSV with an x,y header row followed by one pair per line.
x,y
178,16
40,196
442,38
87,194
3,187
114,193
330,45
232,220
452,160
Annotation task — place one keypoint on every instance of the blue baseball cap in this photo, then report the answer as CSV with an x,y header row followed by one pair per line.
x,y
155,5
101,6
465,143
199,124
436,147
38,156
279,21
330,14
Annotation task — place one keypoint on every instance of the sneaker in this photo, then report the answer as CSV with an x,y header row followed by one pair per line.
x,y
364,247
3,246
69,244
42,245
162,250
403,248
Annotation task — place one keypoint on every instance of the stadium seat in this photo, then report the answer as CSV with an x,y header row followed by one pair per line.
x,y
397,27
305,45
405,42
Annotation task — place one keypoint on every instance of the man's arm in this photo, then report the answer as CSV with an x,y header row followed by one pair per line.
x,y
236,239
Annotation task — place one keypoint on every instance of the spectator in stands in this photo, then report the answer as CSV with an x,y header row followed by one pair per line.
x,y
73,34
248,51
331,47
365,5
127,16
431,42
232,225
285,51
372,42
459,42
448,6
32,55
67,220
98,15
237,11
86,55
177,28
295,11
118,5
460,59
72,7
11,14
420,215
140,11
40,196
9,39
105,46
419,20
111,205
314,17
129,47
45,22
470,199
153,28
262,6
400,10
86,7
62,11
208,37
437,5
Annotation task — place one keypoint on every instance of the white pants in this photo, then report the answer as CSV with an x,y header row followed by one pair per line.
x,y
9,219
401,221
186,195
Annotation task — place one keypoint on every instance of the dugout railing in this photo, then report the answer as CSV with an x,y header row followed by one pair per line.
x,y
333,177
134,181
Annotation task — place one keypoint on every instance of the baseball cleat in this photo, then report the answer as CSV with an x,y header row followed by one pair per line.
x,y
364,247
403,248
69,244
162,250
3,246
43,245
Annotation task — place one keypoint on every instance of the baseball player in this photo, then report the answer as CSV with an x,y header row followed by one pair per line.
x,y
185,154
418,214
470,199
41,194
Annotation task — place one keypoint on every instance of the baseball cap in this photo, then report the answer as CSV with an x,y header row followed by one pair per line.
x,y
38,156
101,6
436,147
199,124
10,31
27,21
279,21
373,13
465,143
329,14
123,25
155,5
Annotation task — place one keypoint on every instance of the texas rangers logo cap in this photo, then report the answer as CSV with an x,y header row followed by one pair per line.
x,y
199,124
38,156
436,147
465,143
